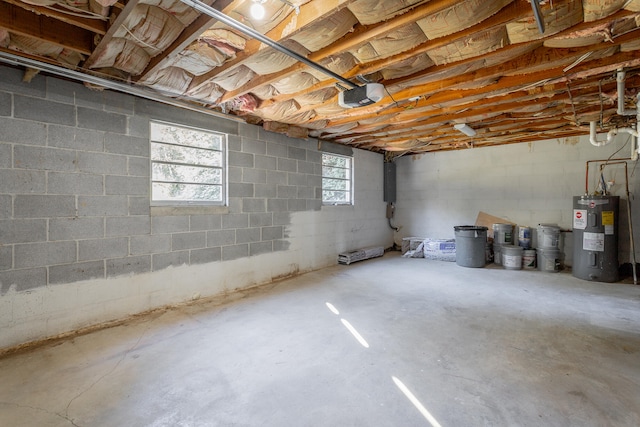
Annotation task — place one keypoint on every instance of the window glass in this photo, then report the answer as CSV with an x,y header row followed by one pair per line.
x,y
187,165
337,179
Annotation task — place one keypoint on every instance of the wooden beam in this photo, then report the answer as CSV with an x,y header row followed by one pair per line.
x,y
513,11
412,129
509,102
292,24
131,4
20,21
375,66
187,36
441,90
94,25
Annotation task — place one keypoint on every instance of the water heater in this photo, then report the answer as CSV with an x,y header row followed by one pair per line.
x,y
595,238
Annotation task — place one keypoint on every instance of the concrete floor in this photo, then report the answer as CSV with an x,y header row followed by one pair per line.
x,y
438,344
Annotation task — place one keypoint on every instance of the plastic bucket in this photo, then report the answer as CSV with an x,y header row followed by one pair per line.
x,y
549,260
471,241
512,257
529,259
503,234
548,236
524,237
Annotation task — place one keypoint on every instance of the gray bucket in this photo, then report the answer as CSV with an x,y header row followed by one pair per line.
x,y
512,257
503,234
549,259
548,236
471,242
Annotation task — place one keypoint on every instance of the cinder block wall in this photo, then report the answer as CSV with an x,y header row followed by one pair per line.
x,y
528,184
80,243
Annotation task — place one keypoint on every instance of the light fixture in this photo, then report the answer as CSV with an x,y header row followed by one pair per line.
x,y
257,9
465,128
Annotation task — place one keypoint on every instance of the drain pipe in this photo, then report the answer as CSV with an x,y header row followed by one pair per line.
x,y
635,148
620,79
593,138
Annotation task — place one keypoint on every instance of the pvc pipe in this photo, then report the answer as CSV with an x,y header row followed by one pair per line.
x,y
630,131
635,149
593,138
620,79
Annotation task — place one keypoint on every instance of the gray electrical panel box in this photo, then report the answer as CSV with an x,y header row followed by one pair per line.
x,y
389,182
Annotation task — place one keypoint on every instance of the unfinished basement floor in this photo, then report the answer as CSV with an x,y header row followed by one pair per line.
x,y
385,342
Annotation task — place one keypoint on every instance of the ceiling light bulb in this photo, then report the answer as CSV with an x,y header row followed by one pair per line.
x,y
257,11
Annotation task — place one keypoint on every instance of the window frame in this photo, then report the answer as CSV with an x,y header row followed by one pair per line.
x,y
223,169
350,180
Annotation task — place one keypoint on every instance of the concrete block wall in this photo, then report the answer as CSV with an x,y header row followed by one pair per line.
x,y
528,184
76,221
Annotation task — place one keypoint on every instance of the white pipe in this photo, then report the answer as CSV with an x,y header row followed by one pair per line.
x,y
614,132
620,79
593,138
635,149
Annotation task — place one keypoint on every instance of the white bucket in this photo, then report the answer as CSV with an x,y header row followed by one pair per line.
x,y
549,260
503,234
512,257
524,237
548,236
529,259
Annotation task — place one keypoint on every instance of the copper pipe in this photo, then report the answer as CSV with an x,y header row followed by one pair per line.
x,y
586,177
631,239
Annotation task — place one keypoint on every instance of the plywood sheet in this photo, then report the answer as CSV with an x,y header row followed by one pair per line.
x,y
487,220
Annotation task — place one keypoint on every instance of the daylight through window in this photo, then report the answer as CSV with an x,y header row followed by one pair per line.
x,y
337,177
187,165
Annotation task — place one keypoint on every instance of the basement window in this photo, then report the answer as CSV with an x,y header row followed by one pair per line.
x,y
337,179
187,165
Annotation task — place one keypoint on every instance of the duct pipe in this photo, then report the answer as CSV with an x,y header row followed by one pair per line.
x,y
248,31
620,79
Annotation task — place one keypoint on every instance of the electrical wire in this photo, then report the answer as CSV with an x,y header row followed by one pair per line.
x,y
390,96
618,150
75,11
601,104
573,106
